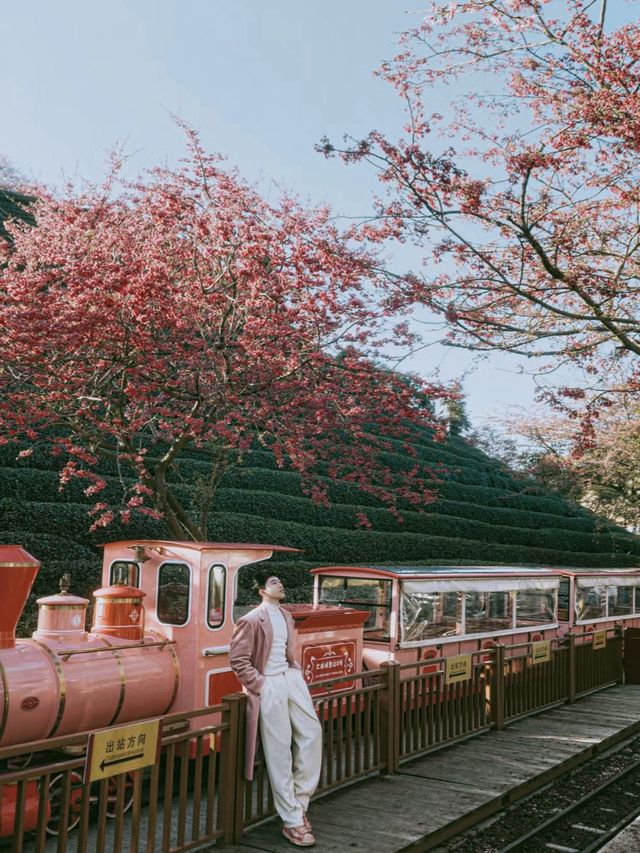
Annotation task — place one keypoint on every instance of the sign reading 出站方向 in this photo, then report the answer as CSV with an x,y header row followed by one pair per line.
x,y
122,750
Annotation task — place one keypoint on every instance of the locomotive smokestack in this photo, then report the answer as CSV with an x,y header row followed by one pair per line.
x,y
18,570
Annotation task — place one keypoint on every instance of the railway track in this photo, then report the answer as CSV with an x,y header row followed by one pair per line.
x,y
588,824
577,813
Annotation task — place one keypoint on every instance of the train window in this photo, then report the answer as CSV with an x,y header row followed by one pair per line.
x,y
361,594
125,572
535,607
637,598
174,581
488,611
591,603
216,596
563,600
426,615
619,600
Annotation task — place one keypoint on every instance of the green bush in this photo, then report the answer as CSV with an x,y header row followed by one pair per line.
x,y
482,514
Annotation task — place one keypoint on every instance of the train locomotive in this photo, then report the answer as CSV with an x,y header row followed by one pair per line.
x,y
159,642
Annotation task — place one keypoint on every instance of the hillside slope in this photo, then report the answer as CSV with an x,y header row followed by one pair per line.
x,y
483,514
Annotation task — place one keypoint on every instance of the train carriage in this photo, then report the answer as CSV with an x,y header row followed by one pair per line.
x,y
423,612
593,599
419,612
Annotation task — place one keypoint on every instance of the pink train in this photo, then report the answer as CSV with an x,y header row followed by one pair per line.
x,y
164,616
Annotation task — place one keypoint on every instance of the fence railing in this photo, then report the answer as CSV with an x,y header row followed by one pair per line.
x,y
197,793
531,685
596,667
178,804
431,712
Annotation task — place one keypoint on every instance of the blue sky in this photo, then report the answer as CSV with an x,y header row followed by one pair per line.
x,y
262,81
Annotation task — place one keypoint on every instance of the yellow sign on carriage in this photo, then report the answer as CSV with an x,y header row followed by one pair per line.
x,y
122,750
541,652
599,640
457,668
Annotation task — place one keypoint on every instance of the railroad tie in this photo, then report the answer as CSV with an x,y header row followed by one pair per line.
x,y
586,828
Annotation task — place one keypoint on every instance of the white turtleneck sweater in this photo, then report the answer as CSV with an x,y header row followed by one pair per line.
x,y
277,661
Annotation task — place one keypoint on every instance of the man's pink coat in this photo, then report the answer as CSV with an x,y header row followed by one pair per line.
x,y
248,655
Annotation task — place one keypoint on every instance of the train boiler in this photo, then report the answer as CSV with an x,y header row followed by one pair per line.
x,y
63,679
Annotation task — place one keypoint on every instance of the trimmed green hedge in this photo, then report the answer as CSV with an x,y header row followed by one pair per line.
x,y
483,514
324,545
58,518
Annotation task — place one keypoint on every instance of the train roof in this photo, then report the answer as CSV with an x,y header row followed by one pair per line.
x,y
473,571
594,570
442,571
198,546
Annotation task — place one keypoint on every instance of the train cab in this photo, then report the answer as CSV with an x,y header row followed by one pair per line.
x,y
593,599
421,612
188,592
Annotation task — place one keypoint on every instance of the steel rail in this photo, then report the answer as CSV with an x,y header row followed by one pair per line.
x,y
560,818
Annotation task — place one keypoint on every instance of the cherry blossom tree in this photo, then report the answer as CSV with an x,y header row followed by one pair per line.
x,y
519,171
183,310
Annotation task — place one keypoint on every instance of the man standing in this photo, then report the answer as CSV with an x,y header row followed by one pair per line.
x,y
279,704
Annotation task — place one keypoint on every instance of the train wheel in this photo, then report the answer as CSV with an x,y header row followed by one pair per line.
x,y
19,762
112,794
56,796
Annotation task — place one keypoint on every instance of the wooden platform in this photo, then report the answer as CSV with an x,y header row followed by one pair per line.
x,y
410,811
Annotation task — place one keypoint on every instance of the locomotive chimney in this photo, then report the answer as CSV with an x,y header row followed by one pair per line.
x,y
18,570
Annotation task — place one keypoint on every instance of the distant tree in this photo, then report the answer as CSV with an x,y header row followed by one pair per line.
x,y
457,417
10,177
13,203
530,206
600,471
184,311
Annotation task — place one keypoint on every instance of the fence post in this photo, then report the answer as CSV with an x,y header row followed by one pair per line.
x,y
390,716
231,788
497,688
619,635
573,675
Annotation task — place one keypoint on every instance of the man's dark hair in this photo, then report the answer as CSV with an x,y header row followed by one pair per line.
x,y
260,578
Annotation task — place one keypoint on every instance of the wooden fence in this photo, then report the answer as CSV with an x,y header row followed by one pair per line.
x,y
197,794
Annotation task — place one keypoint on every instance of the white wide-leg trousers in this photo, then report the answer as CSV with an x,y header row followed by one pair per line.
x,y
292,743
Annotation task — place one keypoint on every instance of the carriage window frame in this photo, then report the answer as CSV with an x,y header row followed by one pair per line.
x,y
521,622
375,608
476,586
189,596
214,626
135,582
635,609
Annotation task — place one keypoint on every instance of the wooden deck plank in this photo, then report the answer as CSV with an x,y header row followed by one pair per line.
x,y
384,814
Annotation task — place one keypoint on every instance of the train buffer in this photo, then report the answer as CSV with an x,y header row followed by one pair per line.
x,y
434,797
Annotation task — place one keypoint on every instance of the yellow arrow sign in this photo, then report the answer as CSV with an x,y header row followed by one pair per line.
x,y
122,749
457,668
